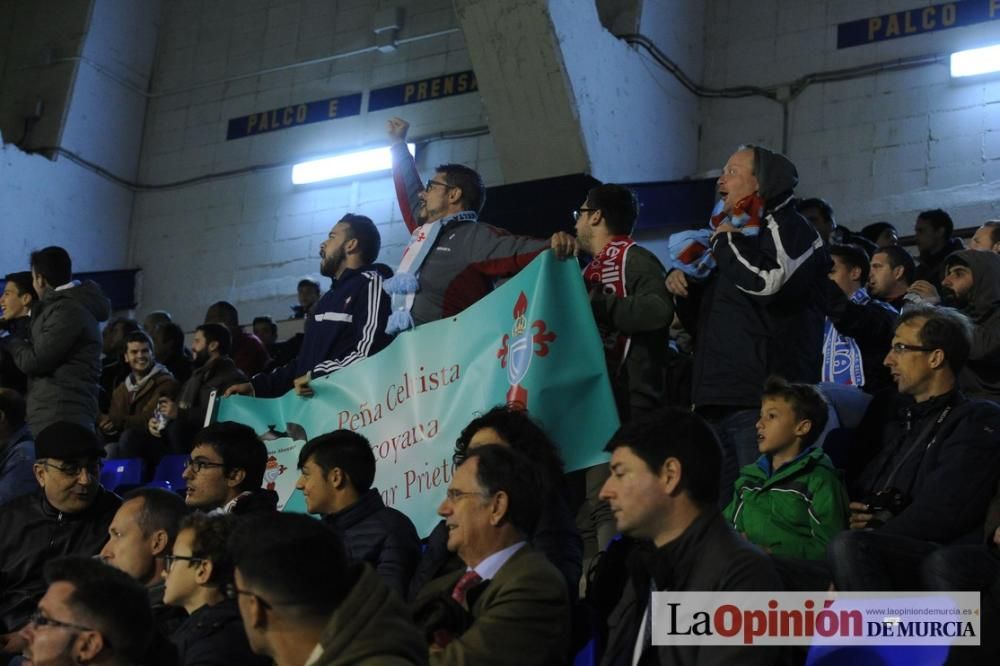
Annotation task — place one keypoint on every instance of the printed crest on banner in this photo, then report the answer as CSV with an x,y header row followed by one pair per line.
x,y
272,470
519,347
282,454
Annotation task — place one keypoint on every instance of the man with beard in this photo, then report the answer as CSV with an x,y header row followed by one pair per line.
x,y
971,284
349,320
133,400
214,371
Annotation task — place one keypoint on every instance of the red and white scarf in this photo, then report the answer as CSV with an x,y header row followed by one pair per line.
x,y
607,272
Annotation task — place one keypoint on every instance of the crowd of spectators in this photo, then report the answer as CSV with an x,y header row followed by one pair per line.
x,y
750,477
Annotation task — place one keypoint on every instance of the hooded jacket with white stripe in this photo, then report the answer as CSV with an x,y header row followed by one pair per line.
x,y
760,310
347,325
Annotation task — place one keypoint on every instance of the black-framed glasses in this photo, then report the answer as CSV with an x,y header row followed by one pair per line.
x,y
580,211
455,495
902,347
431,183
36,619
73,469
197,464
231,592
168,560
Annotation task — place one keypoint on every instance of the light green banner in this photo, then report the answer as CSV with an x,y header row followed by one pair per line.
x,y
533,339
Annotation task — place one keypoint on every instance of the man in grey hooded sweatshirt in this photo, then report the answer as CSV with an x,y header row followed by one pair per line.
x,y
971,284
62,360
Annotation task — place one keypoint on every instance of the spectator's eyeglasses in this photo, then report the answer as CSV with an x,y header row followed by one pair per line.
x,y
36,619
231,592
580,211
901,348
198,464
73,469
455,495
168,560
432,183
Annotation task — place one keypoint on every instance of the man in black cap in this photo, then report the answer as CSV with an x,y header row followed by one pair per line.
x,y
68,515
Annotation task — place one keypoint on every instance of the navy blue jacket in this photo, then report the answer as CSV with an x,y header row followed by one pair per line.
x,y
17,456
348,325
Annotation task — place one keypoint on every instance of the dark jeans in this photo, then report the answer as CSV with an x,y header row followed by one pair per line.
x,y
868,560
737,434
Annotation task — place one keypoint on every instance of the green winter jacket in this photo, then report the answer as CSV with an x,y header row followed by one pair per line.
x,y
793,512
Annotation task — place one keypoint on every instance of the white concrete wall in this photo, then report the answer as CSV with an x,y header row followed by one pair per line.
x,y
882,146
249,238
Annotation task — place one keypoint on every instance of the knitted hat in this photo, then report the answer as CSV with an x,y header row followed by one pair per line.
x,y
67,441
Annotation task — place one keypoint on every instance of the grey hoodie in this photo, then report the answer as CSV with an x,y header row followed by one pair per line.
x,y
62,360
980,377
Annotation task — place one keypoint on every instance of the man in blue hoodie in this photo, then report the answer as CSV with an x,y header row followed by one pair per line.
x,y
348,323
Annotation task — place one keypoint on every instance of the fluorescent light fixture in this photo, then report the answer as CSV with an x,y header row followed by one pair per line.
x,y
975,61
342,166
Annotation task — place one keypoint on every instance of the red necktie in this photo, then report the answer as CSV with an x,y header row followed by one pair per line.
x,y
468,580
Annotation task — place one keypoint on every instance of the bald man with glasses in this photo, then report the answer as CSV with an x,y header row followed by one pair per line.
x,y
68,514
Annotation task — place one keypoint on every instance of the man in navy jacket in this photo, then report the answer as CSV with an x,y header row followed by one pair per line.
x,y
349,321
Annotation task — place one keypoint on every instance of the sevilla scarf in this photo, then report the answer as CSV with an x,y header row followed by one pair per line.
x,y
607,273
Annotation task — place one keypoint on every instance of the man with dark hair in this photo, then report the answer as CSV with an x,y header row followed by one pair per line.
x,y
510,599
17,299
214,372
168,341
337,470
17,448
349,321
882,234
114,370
90,614
935,463
141,533
198,573
933,234
308,293
68,514
972,285
664,490
627,295
134,400
247,350
820,215
303,602
226,471
62,358
452,260
858,328
752,304
890,275
987,237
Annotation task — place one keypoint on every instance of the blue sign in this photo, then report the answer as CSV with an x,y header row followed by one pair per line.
x,y
916,21
294,116
438,87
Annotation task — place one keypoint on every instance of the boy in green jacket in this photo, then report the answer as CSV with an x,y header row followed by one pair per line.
x,y
792,501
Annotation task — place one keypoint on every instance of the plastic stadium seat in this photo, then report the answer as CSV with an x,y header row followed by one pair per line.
x,y
169,473
122,472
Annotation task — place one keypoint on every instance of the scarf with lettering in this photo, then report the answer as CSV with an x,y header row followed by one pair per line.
x,y
404,285
607,273
691,251
841,354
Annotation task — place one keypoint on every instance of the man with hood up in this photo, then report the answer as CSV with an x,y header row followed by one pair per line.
x,y
755,311
62,360
972,284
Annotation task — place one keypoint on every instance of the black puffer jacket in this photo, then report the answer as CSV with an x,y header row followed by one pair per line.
x,y
32,532
62,360
383,537
759,311
214,636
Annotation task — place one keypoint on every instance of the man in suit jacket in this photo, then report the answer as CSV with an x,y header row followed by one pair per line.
x,y
510,604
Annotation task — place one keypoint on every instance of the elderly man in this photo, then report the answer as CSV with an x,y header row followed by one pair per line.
x,y
509,600
754,312
90,614
68,515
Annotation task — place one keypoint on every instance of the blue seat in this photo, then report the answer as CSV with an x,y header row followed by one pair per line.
x,y
169,473
122,472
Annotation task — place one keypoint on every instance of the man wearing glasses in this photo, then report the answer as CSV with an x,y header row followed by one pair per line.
x,y
197,573
90,614
509,597
934,459
226,471
452,260
68,515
